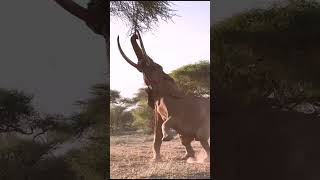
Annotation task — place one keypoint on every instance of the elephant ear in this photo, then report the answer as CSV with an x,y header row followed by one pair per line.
x,y
151,97
173,90
169,87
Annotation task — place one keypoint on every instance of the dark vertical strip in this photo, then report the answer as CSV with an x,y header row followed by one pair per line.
x,y
107,40
212,130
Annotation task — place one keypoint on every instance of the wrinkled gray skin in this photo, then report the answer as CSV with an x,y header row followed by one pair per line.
x,y
189,115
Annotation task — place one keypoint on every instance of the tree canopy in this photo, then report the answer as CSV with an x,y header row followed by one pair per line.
x,y
32,155
269,52
194,78
142,15
15,107
139,15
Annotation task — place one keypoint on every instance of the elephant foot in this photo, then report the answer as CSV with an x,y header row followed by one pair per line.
x,y
185,157
156,159
207,159
167,138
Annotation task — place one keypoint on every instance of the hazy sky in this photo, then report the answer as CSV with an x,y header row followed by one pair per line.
x,y
171,45
49,53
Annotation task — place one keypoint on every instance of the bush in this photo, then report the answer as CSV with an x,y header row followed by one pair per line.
x,y
142,116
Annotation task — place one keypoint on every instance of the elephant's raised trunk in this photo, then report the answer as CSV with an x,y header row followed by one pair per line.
x,y
137,49
147,58
141,54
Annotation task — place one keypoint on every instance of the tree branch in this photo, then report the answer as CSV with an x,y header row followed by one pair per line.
x,y
74,9
95,16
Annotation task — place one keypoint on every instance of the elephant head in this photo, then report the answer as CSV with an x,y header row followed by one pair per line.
x,y
154,76
143,59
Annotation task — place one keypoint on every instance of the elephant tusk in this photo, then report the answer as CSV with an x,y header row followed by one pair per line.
x,y
125,57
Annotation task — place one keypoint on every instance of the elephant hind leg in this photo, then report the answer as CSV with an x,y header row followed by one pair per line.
x,y
186,141
206,147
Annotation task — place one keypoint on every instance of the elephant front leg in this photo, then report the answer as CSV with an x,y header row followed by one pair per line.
x,y
157,138
186,141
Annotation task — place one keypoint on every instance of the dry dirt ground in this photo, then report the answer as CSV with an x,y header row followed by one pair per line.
x,y
130,159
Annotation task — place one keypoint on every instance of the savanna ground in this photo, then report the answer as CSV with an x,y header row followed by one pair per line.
x,y
130,157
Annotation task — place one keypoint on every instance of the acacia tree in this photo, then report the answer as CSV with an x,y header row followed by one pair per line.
x,y
139,15
15,112
194,78
264,56
95,15
42,134
142,15
17,115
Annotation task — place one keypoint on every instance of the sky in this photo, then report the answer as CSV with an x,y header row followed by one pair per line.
x,y
47,52
171,45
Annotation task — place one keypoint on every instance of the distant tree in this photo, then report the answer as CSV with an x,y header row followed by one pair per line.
x,y
194,78
140,95
127,119
142,115
114,96
16,110
93,110
32,156
17,115
269,54
119,116
33,160
116,114
90,163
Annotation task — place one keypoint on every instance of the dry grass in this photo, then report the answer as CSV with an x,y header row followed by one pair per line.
x,y
130,159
